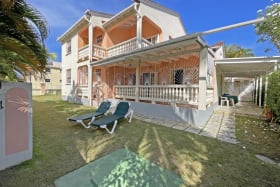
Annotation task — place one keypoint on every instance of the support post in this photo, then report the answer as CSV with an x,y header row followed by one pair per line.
x,y
139,26
202,79
265,88
90,49
90,84
275,66
137,81
253,94
90,40
260,92
257,88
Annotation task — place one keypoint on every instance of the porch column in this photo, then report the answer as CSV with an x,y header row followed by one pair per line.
x,y
139,26
265,88
260,92
257,87
215,87
253,94
275,66
137,81
90,84
219,83
202,79
90,48
90,40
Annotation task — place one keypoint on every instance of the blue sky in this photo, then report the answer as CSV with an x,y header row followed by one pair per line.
x,y
197,16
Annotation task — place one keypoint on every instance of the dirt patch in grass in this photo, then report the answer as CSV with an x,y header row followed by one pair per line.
x,y
259,137
60,148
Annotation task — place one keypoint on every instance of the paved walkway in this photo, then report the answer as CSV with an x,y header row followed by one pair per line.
x,y
221,124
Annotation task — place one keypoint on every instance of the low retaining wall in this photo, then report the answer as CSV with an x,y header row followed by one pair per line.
x,y
169,112
174,113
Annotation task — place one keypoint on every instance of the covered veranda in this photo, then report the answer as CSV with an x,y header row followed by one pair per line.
x,y
255,69
191,98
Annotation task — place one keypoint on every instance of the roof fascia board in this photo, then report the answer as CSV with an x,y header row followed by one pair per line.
x,y
71,29
272,59
81,21
101,14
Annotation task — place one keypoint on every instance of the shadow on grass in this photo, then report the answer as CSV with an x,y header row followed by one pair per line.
x,y
60,148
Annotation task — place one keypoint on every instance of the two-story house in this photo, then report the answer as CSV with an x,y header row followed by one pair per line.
x,y
142,54
49,83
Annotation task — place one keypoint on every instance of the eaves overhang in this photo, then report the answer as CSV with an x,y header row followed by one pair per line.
x,y
81,23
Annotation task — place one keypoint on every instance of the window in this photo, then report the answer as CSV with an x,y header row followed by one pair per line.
x,y
153,39
83,75
148,78
177,76
98,75
47,70
68,47
47,80
68,76
99,39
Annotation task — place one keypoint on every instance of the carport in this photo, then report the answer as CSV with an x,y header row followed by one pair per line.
x,y
253,68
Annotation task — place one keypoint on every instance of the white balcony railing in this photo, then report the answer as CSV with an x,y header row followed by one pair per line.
x,y
121,48
98,51
163,93
82,91
83,52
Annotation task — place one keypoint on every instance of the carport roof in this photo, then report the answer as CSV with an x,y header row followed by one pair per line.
x,y
249,67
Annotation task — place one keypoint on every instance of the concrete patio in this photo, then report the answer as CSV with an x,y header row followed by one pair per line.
x,y
221,124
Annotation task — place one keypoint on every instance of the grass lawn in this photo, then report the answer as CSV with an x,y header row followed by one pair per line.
x,y
60,147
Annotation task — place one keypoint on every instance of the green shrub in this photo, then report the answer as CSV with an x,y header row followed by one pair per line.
x,y
273,94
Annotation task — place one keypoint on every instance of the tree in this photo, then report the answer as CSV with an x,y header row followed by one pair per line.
x,y
23,31
269,29
235,51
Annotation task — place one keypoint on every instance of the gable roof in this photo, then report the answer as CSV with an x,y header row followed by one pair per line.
x,y
81,23
113,18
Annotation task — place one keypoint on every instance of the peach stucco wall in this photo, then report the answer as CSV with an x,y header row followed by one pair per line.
x,y
97,32
149,28
120,35
16,116
123,75
83,37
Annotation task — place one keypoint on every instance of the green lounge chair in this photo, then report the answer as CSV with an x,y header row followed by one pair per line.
x,y
122,111
102,109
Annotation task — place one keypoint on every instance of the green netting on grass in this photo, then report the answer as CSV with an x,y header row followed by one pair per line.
x,y
121,168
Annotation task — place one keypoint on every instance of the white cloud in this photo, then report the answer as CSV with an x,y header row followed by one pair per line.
x,y
59,15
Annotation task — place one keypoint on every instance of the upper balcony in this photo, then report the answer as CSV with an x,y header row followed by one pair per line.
x,y
118,37
99,52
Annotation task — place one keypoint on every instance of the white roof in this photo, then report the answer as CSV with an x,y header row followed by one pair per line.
x,y
247,67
